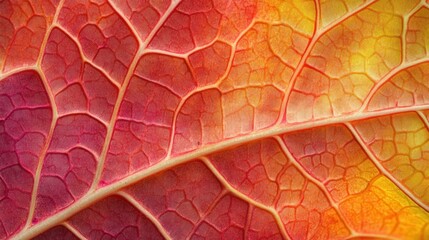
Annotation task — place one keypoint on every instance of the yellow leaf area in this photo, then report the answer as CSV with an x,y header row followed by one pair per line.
x,y
342,61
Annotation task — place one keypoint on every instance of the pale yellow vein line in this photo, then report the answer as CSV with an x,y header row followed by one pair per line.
x,y
383,170
387,77
318,17
146,213
44,41
51,96
45,38
173,54
186,54
243,197
127,21
41,53
5,75
122,91
201,89
74,231
177,111
368,235
171,8
404,39
312,179
92,197
44,150
203,217
424,119
405,21
48,32
419,6
318,34
80,112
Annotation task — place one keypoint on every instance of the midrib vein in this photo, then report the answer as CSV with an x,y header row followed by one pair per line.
x,y
98,194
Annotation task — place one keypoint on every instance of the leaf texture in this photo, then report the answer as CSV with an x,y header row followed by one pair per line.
x,y
220,119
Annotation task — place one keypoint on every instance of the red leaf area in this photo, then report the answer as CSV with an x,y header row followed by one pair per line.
x,y
220,119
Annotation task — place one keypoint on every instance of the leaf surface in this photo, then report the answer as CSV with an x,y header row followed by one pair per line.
x,y
238,119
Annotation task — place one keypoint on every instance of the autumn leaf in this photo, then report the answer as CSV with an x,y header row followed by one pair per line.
x,y
221,119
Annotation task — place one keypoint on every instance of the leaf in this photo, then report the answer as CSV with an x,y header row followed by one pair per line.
x,y
238,119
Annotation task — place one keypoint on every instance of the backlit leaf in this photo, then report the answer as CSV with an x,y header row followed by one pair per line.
x,y
219,119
